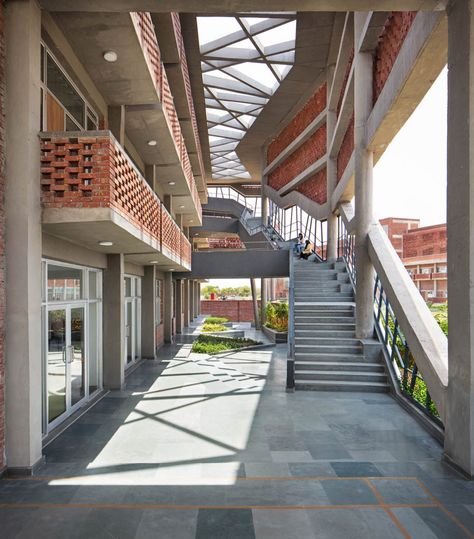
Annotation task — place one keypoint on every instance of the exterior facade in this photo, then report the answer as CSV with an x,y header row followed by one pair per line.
x,y
423,251
113,122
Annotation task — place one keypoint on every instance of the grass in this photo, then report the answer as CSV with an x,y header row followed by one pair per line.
x,y
216,320
208,344
211,328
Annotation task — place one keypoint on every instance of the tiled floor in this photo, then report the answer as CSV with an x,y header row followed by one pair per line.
x,y
211,448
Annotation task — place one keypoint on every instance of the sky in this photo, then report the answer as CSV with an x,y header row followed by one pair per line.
x,y
410,177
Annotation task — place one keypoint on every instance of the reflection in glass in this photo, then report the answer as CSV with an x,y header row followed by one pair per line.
x,y
76,355
64,283
56,363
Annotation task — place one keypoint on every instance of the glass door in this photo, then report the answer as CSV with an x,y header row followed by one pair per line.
x,y
66,361
56,364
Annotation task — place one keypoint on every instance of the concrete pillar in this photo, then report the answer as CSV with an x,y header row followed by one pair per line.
x,y
149,313
263,300
198,298
23,370
168,203
255,303
264,210
192,298
459,423
186,302
150,175
116,121
179,306
179,220
114,322
363,184
331,175
168,310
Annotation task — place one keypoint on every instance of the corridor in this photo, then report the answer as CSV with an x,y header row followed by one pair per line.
x,y
213,447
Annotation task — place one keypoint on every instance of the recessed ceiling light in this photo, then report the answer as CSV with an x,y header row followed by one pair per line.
x,y
171,183
181,207
196,234
152,143
172,269
106,243
110,56
154,262
191,220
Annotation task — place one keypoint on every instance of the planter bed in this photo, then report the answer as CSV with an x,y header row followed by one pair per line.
x,y
276,337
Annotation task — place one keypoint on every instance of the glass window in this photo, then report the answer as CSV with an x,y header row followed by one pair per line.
x,y
64,91
128,287
64,283
93,285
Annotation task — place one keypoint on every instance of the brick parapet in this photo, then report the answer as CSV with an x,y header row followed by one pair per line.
x,y
83,171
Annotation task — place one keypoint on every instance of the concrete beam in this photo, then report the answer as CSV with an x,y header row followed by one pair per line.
x,y
238,264
233,6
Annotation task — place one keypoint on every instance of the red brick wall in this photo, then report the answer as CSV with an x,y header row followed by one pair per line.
x,y
307,154
391,40
2,229
346,149
308,113
315,188
430,240
235,310
226,243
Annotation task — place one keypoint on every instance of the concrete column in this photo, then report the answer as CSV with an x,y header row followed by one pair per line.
x,y
192,298
179,220
179,306
363,184
116,121
168,310
23,370
255,303
168,203
263,300
198,298
459,423
331,175
114,322
149,313
150,175
264,210
186,302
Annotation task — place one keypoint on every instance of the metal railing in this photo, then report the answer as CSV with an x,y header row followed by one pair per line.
x,y
254,204
290,222
290,362
400,359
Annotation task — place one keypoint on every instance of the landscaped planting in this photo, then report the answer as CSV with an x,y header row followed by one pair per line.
x,y
211,328
215,320
209,344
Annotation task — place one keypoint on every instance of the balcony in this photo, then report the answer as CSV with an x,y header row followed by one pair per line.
x,y
139,81
91,191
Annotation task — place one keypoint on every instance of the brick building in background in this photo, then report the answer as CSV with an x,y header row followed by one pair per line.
x,y
423,252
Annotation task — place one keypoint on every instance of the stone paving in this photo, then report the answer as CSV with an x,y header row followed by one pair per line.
x,y
213,447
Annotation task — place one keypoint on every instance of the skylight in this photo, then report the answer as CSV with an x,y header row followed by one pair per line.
x,y
243,61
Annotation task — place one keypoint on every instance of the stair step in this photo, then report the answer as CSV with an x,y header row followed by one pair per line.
x,y
322,349
341,376
324,333
320,326
323,340
331,366
327,385
305,355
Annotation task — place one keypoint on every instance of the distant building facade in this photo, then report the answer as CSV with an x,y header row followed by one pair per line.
x,y
423,252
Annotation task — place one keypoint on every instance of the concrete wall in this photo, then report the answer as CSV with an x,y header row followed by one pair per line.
x,y
2,232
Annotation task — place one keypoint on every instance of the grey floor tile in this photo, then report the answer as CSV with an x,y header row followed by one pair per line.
x,y
275,524
168,524
225,524
430,522
311,469
348,492
401,491
267,469
353,524
355,469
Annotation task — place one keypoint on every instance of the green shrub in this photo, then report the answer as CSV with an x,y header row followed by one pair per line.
x,y
277,316
440,312
211,328
209,344
215,320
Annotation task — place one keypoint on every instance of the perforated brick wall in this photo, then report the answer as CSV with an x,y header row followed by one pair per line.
x,y
346,149
395,31
314,106
95,172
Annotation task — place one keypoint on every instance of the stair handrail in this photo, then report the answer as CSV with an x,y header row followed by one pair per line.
x,y
290,362
410,335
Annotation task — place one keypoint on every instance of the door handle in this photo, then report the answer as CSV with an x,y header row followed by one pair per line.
x,y
64,354
71,354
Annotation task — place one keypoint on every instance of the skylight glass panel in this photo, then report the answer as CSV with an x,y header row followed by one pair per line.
x,y
243,60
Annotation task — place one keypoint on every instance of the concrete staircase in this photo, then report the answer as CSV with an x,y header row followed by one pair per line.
x,y
328,357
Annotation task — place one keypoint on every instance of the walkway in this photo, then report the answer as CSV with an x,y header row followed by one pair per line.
x,y
212,448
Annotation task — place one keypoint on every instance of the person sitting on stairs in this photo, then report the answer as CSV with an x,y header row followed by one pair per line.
x,y
307,251
299,245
